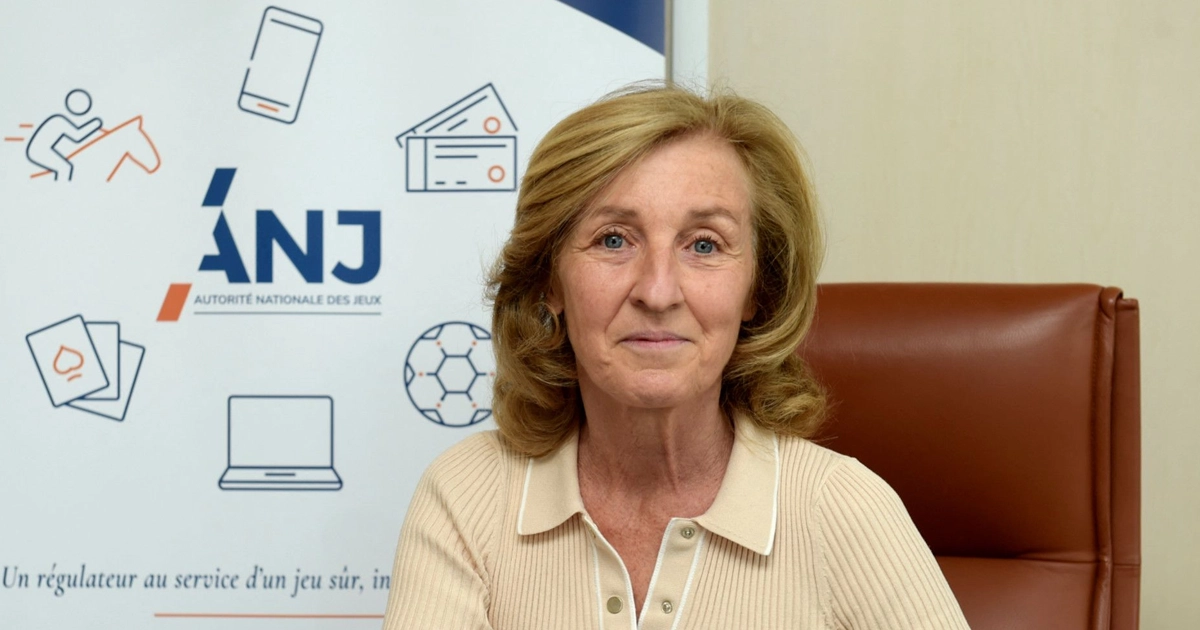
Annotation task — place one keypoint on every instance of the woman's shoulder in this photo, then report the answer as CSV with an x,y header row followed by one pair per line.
x,y
811,459
482,455
827,475
469,483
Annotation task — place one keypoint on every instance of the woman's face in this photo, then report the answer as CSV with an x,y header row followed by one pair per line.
x,y
655,280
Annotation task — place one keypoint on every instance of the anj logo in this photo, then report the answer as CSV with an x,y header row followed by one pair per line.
x,y
328,288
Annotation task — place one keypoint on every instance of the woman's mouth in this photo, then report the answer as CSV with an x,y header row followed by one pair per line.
x,y
654,340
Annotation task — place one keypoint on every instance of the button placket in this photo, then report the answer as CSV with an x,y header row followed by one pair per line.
x,y
682,543
614,592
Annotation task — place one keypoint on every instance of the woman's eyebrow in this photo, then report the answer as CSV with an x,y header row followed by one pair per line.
x,y
714,212
618,213
614,213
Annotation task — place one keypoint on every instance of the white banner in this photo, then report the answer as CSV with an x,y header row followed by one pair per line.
x,y
241,266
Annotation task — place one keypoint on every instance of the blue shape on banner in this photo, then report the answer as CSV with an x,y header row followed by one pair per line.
x,y
448,374
271,234
643,20
280,65
467,146
372,254
86,365
218,187
227,258
280,443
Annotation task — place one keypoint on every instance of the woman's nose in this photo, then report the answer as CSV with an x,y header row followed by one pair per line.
x,y
657,283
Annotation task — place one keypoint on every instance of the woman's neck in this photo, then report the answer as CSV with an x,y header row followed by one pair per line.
x,y
654,452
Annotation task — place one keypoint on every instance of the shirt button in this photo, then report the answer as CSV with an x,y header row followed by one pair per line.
x,y
614,605
688,532
667,607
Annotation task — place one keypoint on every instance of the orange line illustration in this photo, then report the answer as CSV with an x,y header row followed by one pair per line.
x,y
261,616
71,359
107,132
173,303
13,139
26,125
268,107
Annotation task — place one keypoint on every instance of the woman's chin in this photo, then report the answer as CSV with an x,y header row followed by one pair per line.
x,y
658,393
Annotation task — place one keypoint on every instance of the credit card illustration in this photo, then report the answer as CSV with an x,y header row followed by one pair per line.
x,y
467,146
280,65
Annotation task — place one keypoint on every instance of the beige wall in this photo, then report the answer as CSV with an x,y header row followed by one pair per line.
x,y
1026,141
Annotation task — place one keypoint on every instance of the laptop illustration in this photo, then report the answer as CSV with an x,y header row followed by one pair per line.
x,y
280,443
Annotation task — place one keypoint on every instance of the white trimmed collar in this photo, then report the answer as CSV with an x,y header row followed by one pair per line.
x,y
744,511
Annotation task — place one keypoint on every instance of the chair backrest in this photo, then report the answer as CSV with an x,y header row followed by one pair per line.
x,y
1007,417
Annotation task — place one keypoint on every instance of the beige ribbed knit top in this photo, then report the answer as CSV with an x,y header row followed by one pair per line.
x,y
797,537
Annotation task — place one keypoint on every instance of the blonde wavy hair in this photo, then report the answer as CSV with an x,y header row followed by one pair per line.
x,y
536,399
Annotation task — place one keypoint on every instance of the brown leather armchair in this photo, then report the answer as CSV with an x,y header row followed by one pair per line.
x,y
1007,417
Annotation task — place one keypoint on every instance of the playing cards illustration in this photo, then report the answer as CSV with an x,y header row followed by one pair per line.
x,y
86,365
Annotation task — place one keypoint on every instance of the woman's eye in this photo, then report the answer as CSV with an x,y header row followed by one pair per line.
x,y
703,246
614,241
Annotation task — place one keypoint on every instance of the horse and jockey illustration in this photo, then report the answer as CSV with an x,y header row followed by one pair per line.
x,y
67,150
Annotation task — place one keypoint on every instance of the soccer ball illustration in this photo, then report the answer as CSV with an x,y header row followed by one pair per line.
x,y
448,374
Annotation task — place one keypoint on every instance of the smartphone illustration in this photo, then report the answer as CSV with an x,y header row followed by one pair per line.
x,y
280,64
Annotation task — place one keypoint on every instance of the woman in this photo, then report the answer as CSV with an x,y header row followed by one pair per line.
x,y
650,468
